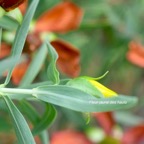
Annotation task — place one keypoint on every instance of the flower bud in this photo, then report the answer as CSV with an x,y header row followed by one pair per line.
x,y
91,86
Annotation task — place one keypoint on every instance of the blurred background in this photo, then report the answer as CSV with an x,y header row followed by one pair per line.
x,y
110,37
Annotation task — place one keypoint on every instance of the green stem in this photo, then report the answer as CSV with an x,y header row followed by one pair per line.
x,y
16,91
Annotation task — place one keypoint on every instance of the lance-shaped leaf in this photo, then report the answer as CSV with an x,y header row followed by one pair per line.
x,y
78,100
35,66
40,123
53,74
22,130
21,36
33,116
46,120
29,111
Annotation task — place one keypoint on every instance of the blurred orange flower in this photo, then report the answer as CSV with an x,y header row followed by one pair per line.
x,y
134,135
4,50
19,71
69,58
10,4
69,137
68,61
106,120
32,43
62,18
136,54
23,7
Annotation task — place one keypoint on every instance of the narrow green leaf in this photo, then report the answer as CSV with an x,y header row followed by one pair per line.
x,y
53,74
35,66
6,64
77,100
21,35
29,112
32,115
22,130
73,98
8,23
46,120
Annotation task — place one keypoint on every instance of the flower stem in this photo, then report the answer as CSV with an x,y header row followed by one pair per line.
x,y
16,91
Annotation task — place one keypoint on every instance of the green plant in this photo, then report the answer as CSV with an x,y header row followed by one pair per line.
x,y
53,91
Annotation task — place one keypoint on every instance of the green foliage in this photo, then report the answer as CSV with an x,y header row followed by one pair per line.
x,y
20,37
8,23
35,66
84,85
6,64
39,123
21,128
103,24
46,120
53,74
77,100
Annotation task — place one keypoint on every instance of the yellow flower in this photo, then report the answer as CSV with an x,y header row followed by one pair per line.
x,y
104,90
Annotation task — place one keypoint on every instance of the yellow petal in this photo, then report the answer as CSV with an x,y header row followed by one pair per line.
x,y
104,90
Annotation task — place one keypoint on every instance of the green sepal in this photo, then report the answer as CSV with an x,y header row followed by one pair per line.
x,y
83,84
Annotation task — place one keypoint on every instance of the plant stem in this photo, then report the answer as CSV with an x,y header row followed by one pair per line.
x,y
16,91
